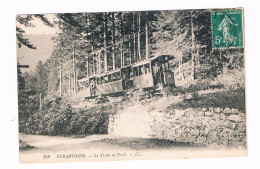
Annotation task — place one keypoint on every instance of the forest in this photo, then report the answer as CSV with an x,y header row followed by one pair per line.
x,y
94,43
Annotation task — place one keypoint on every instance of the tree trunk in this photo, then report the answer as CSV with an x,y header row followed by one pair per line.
x,y
129,49
198,57
94,64
60,81
146,36
87,65
139,38
179,68
192,51
113,40
182,71
70,77
40,100
134,31
99,62
74,73
122,41
105,41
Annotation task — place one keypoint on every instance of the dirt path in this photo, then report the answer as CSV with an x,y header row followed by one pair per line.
x,y
102,147
60,143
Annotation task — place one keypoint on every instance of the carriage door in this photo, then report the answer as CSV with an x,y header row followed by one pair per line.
x,y
168,75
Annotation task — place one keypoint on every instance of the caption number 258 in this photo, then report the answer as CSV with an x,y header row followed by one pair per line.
x,y
46,156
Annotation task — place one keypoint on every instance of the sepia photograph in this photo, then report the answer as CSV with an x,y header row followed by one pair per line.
x,y
131,85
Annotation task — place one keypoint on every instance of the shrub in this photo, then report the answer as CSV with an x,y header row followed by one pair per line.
x,y
59,118
232,79
67,123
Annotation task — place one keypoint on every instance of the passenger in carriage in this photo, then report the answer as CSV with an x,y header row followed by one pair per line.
x,y
142,70
94,87
113,77
131,75
156,71
162,70
91,87
106,79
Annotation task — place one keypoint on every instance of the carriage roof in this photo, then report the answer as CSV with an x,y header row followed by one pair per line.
x,y
141,63
160,57
86,78
110,72
83,79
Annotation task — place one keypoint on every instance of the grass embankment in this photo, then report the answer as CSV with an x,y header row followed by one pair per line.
x,y
231,99
60,119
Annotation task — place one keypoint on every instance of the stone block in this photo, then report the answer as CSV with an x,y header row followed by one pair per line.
x,y
201,140
212,123
192,139
234,117
204,132
213,134
234,111
187,123
227,111
204,109
208,113
217,110
204,122
231,125
211,109
225,123
222,116
194,132
186,129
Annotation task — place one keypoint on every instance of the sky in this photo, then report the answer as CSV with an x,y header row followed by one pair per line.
x,y
40,36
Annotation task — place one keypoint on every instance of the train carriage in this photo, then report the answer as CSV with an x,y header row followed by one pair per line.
x,y
161,70
144,74
85,88
109,83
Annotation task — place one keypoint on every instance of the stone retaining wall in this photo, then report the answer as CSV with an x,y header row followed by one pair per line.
x,y
222,126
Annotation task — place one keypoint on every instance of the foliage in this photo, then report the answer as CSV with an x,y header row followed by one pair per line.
x,y
232,79
26,21
61,119
231,99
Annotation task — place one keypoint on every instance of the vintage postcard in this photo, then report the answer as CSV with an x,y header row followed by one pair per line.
x,y
131,85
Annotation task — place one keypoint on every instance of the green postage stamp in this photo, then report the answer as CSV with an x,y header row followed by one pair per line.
x,y
227,28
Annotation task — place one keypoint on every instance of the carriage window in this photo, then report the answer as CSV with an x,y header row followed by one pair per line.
x,y
141,70
113,77
98,80
167,68
106,79
147,68
109,78
163,67
102,80
79,86
117,76
135,72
